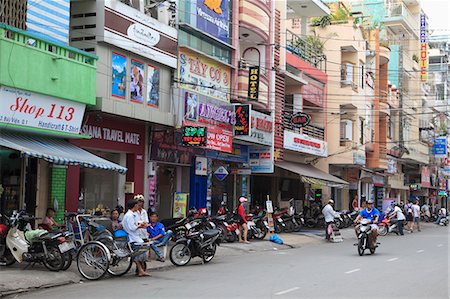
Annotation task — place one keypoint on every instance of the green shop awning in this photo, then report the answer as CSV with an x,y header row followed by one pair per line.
x,y
56,151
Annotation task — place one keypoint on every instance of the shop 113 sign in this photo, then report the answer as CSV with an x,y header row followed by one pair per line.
x,y
194,136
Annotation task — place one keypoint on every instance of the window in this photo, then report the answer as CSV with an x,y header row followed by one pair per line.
x,y
347,73
346,130
295,23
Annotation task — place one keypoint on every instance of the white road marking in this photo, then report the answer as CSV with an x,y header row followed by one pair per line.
x,y
287,291
440,245
352,271
392,259
420,251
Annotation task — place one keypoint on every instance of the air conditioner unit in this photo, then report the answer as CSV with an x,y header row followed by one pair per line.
x,y
167,13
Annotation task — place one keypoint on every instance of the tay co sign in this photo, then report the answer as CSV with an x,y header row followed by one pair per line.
x,y
24,108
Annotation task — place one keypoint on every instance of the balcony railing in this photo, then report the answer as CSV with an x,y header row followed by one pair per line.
x,y
400,10
305,50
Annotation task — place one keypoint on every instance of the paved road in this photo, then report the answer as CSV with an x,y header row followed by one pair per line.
x,y
413,266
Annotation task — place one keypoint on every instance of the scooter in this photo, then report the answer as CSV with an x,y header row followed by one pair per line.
x,y
387,226
365,236
35,246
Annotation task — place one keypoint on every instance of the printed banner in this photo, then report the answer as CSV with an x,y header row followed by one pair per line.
x,y
180,203
260,159
440,147
136,81
213,17
119,75
24,108
203,75
153,78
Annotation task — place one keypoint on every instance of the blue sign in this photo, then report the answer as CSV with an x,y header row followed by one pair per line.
x,y
221,173
213,17
239,154
440,146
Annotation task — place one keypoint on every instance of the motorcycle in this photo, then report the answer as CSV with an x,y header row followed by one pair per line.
x,y
365,236
388,225
256,227
35,246
196,243
443,221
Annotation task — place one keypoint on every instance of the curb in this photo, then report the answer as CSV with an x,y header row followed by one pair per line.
x,y
42,287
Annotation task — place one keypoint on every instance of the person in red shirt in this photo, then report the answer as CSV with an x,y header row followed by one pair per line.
x,y
243,220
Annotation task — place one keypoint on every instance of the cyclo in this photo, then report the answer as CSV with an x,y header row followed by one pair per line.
x,y
99,251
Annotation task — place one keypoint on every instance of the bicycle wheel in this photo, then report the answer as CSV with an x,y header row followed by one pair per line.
x,y
121,261
93,260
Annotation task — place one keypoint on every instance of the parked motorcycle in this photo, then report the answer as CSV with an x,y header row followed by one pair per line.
x,y
35,246
365,237
257,228
196,243
388,225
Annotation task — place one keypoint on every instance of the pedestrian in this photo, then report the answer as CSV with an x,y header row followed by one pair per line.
x,y
426,211
158,235
329,214
409,216
116,222
143,216
416,214
131,225
242,220
398,213
355,204
442,214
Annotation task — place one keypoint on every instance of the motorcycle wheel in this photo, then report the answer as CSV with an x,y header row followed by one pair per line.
x,y
55,261
7,259
209,253
231,237
338,223
298,226
383,230
180,254
277,228
261,231
223,232
68,258
372,250
289,227
361,246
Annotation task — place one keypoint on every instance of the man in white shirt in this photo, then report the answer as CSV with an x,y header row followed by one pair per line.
x,y
398,213
131,225
329,214
143,216
426,211
416,213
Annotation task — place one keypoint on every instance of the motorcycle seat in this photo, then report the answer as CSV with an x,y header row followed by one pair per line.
x,y
208,234
51,236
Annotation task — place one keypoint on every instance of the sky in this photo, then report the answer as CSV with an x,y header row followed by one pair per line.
x,y
438,12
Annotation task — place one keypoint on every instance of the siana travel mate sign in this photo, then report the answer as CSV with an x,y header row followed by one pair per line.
x,y
194,136
253,83
242,125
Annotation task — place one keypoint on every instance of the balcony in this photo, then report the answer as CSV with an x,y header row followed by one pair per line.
x,y
31,63
306,8
311,130
401,21
306,51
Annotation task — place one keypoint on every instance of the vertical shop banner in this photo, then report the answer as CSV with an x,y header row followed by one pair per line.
x,y
136,81
253,83
242,126
425,177
260,159
119,75
261,129
180,202
191,106
152,192
423,47
153,79
213,17
440,147
203,75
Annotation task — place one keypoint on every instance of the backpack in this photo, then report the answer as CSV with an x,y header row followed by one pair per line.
x,y
410,211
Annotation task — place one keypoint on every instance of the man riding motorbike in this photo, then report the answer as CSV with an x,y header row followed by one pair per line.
x,y
373,214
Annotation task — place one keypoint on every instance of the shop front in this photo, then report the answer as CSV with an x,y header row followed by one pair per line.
x,y
119,140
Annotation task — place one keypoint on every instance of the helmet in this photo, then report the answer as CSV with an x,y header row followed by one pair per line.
x,y
331,201
242,199
370,201
139,197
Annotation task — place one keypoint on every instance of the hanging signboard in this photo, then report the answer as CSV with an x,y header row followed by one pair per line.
x,y
253,83
194,136
221,173
423,47
242,126
440,147
300,120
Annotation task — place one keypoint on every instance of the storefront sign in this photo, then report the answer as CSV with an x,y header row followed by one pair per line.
x,y
164,149
425,177
201,166
300,120
180,202
440,147
242,126
213,17
203,75
260,159
239,154
313,94
29,109
253,83
304,144
219,139
415,187
359,158
221,173
129,29
114,135
423,47
392,166
194,136
261,129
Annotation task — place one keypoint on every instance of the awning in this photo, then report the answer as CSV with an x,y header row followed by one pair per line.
x,y
56,151
309,171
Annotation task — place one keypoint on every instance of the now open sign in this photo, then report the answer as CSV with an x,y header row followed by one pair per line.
x,y
24,108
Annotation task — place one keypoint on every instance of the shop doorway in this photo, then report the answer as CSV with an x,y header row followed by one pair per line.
x,y
31,185
166,188
10,174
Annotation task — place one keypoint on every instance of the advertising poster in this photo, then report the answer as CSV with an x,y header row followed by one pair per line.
x,y
180,203
213,17
153,77
152,192
242,125
260,159
191,106
201,166
119,75
136,81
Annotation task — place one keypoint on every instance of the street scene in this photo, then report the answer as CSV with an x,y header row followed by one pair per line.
x,y
224,148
